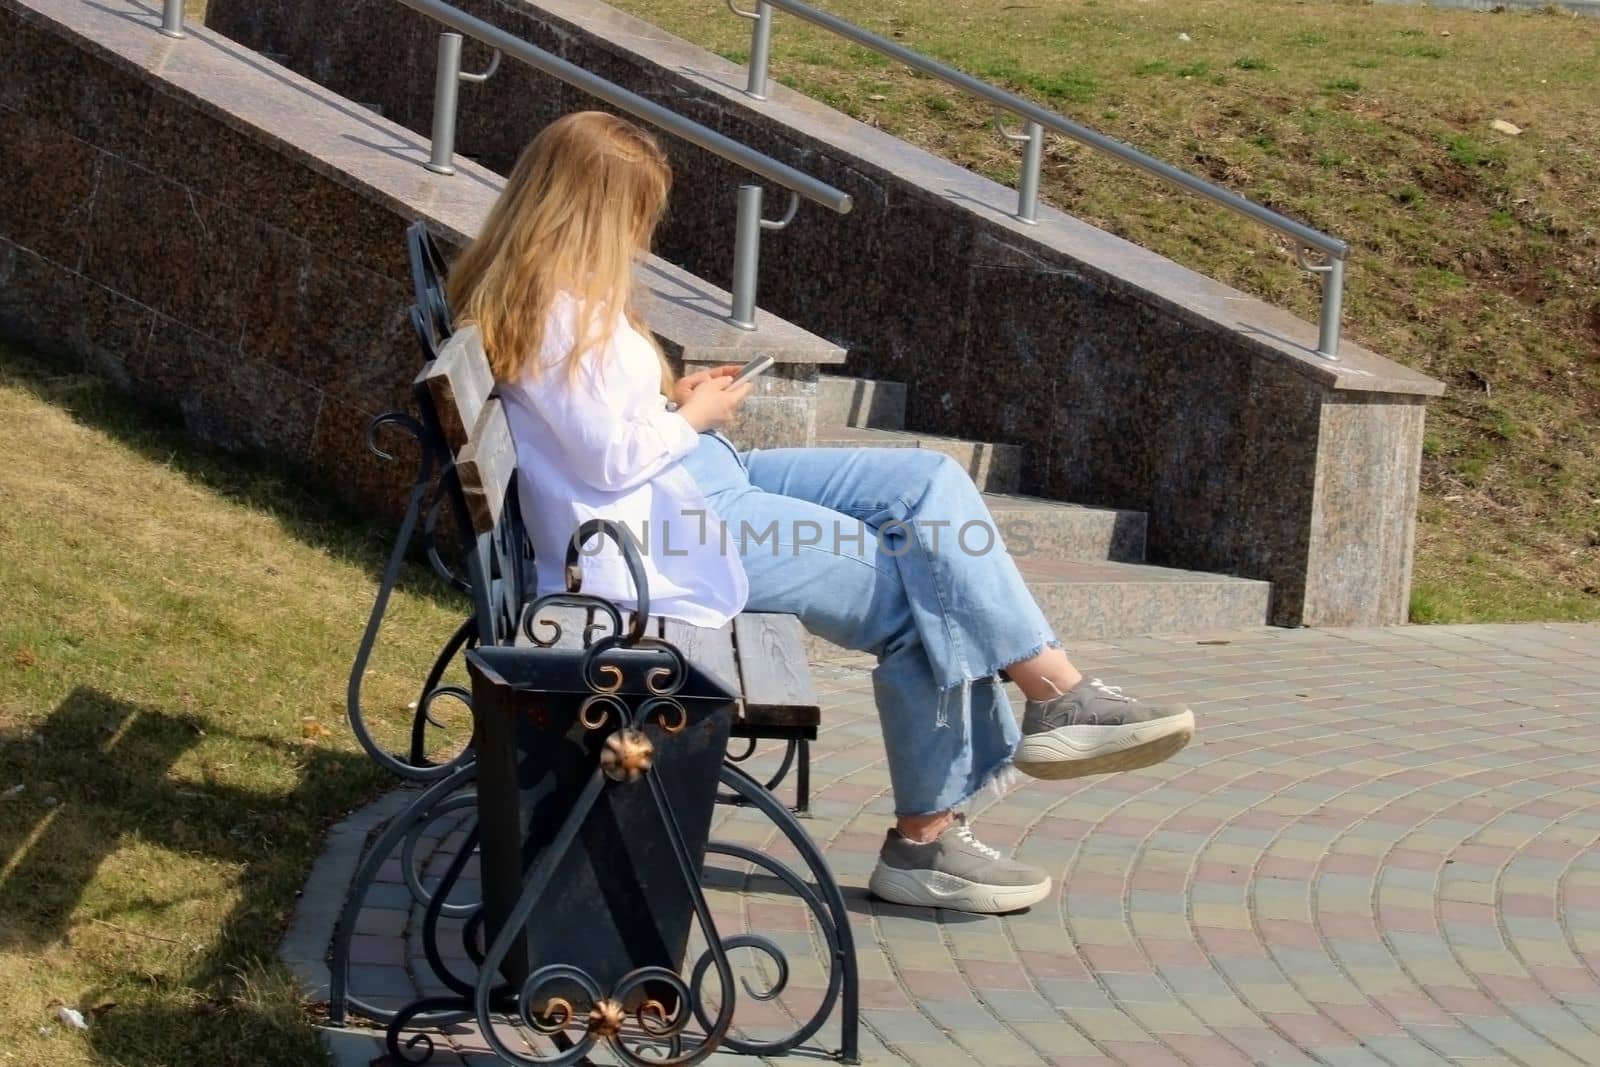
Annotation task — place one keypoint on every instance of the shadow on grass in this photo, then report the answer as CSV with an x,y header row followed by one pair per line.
x,y
232,1033
100,782
108,765
259,481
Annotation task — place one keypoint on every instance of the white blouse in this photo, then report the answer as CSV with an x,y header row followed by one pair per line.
x,y
601,444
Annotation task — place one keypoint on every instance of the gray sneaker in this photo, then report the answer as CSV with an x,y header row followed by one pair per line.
x,y
955,870
1093,728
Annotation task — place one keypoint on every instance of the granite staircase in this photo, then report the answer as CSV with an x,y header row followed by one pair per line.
x,y
1085,565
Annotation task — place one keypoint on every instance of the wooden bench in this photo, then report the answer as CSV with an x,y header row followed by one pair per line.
x,y
467,470
761,657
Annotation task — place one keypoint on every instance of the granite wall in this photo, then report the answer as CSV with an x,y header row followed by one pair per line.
x,y
195,263
221,236
1131,381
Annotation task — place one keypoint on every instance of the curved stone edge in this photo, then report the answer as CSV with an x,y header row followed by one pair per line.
x,y
304,948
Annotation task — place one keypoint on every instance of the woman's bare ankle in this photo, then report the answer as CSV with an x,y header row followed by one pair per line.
x,y
1047,675
924,828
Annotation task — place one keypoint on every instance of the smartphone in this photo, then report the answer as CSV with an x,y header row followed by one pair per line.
x,y
756,367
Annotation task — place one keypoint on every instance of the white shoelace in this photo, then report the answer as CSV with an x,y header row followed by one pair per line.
x,y
1112,692
965,833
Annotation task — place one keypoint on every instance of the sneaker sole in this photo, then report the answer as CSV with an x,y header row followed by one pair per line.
x,y
1079,751
931,889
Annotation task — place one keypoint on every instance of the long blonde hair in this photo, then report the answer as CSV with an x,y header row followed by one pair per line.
x,y
577,214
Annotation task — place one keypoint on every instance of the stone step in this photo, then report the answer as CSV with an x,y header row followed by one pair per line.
x,y
860,402
995,468
1090,601
1034,526
1084,599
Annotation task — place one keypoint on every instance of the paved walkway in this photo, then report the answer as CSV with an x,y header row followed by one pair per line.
x,y
1381,849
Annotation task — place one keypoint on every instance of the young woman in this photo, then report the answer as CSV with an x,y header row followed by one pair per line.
x,y
889,551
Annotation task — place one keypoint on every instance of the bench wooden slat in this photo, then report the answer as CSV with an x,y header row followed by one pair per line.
x,y
459,382
772,664
486,466
571,620
710,650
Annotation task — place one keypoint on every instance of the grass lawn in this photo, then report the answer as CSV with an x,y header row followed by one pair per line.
x,y
1476,253
175,636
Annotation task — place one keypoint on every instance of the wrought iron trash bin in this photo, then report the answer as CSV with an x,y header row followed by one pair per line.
x,y
617,899
597,777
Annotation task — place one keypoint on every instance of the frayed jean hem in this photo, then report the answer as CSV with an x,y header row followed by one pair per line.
x,y
942,720
1001,778
1043,646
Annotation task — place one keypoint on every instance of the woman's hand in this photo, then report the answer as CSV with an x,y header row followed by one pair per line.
x,y
685,387
713,401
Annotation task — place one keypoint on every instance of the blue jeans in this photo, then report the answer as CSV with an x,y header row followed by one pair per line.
x,y
890,551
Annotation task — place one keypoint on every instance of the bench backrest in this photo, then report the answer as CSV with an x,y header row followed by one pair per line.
x,y
473,424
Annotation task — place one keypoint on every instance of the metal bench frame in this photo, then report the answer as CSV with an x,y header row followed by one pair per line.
x,y
497,575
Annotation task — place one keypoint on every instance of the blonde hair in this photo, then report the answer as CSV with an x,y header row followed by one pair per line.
x,y
578,212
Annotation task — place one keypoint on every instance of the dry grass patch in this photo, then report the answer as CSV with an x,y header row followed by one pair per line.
x,y
171,619
1476,254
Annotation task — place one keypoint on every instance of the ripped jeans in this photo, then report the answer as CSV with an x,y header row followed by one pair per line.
x,y
890,551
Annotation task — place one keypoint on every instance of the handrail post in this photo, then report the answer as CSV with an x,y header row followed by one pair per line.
x,y
631,103
760,50
446,87
1332,308
1028,183
746,257
172,19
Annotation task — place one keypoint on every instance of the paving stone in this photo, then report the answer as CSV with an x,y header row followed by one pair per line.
x,y
896,1027
380,922
352,1048
1108,1025
1453,1042
961,1017
368,980
1070,995
1350,1057
1000,1049
389,896
1020,1006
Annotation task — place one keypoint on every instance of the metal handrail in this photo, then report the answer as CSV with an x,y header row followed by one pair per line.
x,y
749,222
448,76
818,192
1039,119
